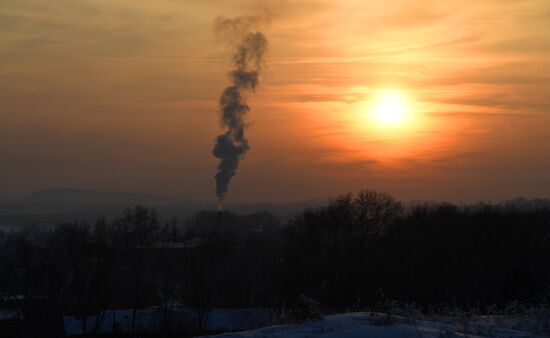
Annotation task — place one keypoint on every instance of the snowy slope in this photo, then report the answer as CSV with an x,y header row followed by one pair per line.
x,y
180,320
355,325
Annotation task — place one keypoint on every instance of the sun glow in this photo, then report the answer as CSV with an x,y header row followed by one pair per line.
x,y
390,109
391,124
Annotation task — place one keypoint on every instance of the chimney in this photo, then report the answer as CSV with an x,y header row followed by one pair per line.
x,y
219,218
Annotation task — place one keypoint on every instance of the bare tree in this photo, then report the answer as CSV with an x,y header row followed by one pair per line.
x,y
168,261
330,248
135,233
205,265
85,256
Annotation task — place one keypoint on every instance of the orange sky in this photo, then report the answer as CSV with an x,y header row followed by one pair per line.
x,y
122,95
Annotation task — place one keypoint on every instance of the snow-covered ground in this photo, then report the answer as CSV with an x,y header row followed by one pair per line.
x,y
179,320
355,325
8,314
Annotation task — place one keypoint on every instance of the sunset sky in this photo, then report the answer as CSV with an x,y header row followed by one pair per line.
x,y
122,95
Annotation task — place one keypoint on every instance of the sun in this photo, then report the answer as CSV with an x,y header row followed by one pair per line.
x,y
391,124
389,114
389,108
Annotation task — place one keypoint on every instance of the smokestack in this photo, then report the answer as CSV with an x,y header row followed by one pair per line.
x,y
219,219
248,48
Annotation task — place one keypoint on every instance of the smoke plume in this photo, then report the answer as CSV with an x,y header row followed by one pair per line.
x,y
248,48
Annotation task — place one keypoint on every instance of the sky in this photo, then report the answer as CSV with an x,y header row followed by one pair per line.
x,y
122,95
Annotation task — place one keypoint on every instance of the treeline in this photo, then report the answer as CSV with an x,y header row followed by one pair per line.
x,y
363,250
358,252
135,262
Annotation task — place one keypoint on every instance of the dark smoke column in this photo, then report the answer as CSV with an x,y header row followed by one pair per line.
x,y
248,53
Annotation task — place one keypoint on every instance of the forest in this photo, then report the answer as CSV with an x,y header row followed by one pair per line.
x,y
360,252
